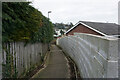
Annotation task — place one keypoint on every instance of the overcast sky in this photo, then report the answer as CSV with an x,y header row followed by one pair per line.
x,y
79,10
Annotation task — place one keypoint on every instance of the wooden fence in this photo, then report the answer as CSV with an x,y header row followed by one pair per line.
x,y
19,58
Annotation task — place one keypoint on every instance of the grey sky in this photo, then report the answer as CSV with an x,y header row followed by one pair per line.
x,y
75,10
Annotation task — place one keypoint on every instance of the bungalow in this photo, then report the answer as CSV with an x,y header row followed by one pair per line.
x,y
96,28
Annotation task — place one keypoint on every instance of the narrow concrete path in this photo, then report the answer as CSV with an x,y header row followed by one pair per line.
x,y
56,67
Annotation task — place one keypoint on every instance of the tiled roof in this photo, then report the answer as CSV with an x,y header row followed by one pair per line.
x,y
106,28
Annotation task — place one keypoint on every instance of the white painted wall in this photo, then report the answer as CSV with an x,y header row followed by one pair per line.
x,y
95,56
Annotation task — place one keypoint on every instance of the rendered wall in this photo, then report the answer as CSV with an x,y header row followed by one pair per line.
x,y
95,56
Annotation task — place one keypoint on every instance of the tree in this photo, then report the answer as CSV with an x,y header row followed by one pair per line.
x,y
22,22
62,32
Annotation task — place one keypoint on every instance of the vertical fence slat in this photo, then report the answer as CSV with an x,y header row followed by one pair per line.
x,y
24,56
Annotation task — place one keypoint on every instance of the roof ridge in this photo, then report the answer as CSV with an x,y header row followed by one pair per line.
x,y
98,22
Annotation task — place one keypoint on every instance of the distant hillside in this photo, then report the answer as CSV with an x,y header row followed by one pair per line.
x,y
62,26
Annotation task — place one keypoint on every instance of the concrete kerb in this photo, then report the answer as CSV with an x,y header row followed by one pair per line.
x,y
45,63
70,60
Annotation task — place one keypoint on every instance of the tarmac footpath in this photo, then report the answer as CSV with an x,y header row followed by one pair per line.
x,y
56,65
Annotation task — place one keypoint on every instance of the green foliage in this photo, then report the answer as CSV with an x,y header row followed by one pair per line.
x,y
62,32
45,33
9,68
62,25
59,25
22,22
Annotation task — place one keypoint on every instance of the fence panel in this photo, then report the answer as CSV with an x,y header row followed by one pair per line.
x,y
23,57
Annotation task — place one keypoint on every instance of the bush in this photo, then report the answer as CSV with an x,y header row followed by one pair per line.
x,y
22,22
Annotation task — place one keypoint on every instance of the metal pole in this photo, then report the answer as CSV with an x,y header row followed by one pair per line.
x,y
48,13
48,22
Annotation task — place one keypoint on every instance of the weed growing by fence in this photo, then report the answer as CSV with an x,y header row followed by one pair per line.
x,y
9,67
22,22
